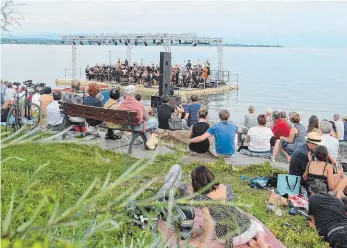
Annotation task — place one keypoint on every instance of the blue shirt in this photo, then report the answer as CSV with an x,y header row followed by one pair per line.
x,y
106,95
193,110
224,134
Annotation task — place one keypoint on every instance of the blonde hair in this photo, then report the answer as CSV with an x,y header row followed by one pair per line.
x,y
203,112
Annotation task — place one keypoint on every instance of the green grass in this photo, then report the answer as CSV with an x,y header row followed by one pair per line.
x,y
70,168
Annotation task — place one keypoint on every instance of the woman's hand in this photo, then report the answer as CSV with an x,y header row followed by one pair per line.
x,y
309,155
340,173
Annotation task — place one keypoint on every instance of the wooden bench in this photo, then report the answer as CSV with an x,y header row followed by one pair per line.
x,y
128,119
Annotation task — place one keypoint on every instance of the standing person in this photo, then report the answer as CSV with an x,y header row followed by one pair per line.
x,y
339,127
287,145
345,128
45,99
224,134
198,129
328,215
188,65
3,91
269,112
192,111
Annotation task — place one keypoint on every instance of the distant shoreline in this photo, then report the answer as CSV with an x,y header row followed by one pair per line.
x,y
37,41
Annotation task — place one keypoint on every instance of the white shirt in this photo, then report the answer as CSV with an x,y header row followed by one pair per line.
x,y
260,139
54,117
332,145
340,129
10,94
36,99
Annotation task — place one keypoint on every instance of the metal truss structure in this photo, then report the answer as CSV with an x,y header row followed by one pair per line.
x,y
131,40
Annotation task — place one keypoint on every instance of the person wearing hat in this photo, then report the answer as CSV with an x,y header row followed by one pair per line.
x,y
130,103
303,154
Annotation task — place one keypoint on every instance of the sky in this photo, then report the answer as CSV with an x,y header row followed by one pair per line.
x,y
287,23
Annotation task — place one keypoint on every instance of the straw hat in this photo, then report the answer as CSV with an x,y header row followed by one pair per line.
x,y
314,138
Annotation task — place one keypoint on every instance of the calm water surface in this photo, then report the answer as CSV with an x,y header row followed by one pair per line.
x,y
310,81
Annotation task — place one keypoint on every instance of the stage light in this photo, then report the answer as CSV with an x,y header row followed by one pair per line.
x,y
73,42
89,42
81,42
154,41
145,43
126,43
120,41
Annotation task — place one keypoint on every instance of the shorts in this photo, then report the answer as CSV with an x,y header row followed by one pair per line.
x,y
247,236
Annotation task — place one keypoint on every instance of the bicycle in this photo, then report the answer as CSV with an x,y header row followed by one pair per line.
x,y
23,113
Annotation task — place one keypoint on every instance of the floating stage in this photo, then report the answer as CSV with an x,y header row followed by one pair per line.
x,y
155,89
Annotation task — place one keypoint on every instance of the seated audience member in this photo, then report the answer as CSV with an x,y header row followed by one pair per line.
x,y
4,110
192,114
284,117
281,127
345,128
92,100
321,169
198,129
45,99
184,106
130,103
331,143
313,125
287,145
242,230
73,96
328,215
55,120
339,127
105,96
138,97
164,112
300,158
112,103
259,136
224,134
250,119
269,112
334,131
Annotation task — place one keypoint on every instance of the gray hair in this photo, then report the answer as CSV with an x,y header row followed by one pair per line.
x,y
276,115
337,116
75,84
224,114
251,109
326,127
318,187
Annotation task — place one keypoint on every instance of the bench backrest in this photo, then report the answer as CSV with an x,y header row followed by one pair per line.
x,y
117,116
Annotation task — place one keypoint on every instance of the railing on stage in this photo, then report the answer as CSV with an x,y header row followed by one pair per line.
x,y
68,73
223,77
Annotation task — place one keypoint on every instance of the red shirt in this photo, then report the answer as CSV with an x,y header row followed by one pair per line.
x,y
281,128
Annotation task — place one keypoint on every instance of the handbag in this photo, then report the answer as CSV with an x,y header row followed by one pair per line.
x,y
152,141
276,200
288,184
299,202
175,124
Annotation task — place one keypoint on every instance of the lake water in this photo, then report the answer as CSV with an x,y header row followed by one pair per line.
x,y
309,81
